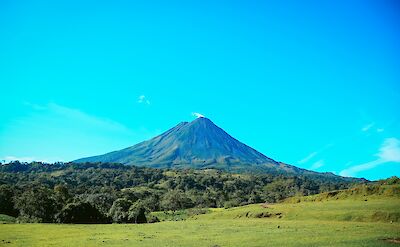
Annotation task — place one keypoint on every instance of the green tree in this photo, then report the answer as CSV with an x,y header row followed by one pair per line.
x,y
151,203
137,213
176,199
81,212
6,200
62,194
37,205
102,201
119,210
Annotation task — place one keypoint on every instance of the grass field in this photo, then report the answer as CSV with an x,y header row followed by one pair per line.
x,y
348,221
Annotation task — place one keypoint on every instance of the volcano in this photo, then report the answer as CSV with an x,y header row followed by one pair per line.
x,y
198,144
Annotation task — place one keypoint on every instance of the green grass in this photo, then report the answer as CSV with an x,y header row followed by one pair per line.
x,y
250,232
348,221
373,210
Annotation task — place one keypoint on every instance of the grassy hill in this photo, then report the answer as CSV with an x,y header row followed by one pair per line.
x,y
363,216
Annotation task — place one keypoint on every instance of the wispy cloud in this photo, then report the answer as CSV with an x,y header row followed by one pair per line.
x,y
367,127
29,159
307,158
388,152
372,127
34,106
62,132
196,114
53,112
143,100
318,164
84,117
314,154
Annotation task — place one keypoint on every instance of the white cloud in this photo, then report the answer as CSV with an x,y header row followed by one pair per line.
x,y
307,158
14,158
388,152
198,115
143,100
367,127
29,159
380,130
318,164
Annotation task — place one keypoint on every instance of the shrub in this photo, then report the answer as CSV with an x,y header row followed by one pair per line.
x,y
119,210
81,212
197,211
37,205
6,201
137,213
152,219
231,204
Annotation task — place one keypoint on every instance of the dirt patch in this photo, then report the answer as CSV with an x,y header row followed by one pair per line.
x,y
263,215
268,215
332,193
392,240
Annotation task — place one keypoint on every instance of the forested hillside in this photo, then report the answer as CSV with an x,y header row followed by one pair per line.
x,y
105,192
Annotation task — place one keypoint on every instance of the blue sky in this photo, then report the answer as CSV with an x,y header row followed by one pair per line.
x,y
315,84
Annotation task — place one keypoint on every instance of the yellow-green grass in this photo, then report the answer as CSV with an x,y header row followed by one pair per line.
x,y
373,210
346,222
249,232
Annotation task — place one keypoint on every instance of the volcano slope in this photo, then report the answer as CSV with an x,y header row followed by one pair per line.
x,y
201,144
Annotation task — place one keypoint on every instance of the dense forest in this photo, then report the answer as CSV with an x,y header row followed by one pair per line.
x,y
114,193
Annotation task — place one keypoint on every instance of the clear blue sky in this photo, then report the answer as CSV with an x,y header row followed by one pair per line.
x,y
315,84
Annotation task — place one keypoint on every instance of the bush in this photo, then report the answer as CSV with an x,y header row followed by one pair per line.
x,y
6,219
137,213
391,181
37,205
81,212
119,210
102,201
231,204
197,211
152,219
6,201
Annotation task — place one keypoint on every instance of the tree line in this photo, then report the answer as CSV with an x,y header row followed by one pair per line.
x,y
115,193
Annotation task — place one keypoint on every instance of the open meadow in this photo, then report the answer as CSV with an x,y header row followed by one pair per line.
x,y
309,221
